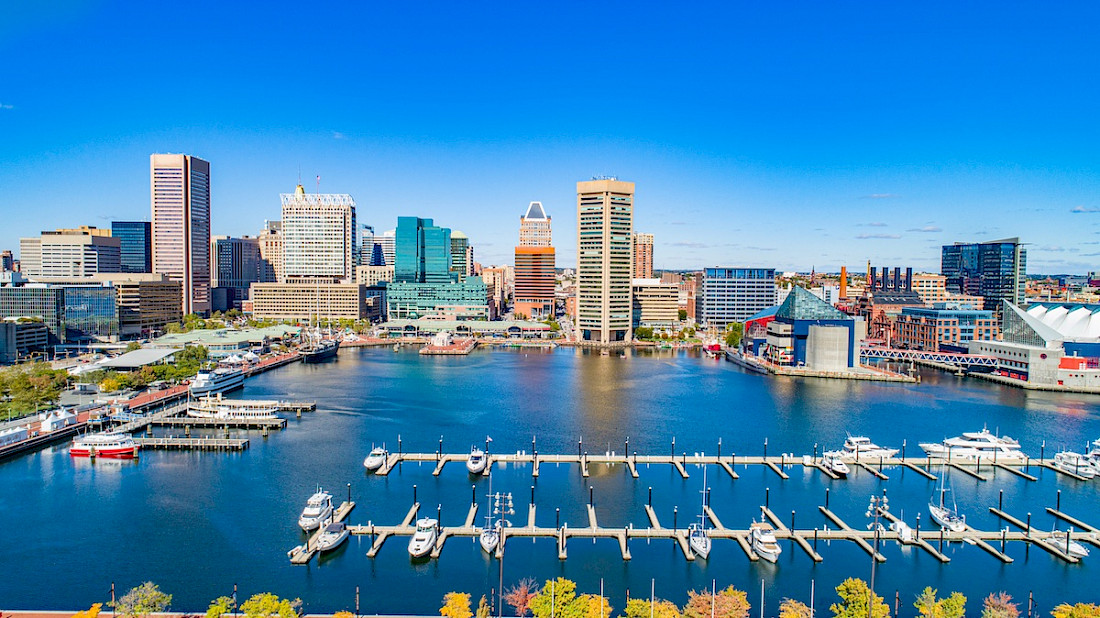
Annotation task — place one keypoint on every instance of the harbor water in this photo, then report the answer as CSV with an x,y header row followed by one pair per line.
x,y
198,523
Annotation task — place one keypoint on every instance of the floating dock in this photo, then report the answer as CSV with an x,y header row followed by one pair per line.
x,y
302,554
192,444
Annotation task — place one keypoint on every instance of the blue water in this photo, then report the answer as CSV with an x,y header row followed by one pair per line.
x,y
198,523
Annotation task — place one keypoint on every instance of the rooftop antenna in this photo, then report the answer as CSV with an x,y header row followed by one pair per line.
x,y
318,183
299,173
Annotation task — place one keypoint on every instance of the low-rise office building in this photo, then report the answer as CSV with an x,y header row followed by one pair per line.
x,y
655,304
949,328
303,302
20,339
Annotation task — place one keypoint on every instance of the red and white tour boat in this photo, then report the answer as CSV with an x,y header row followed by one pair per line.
x,y
107,444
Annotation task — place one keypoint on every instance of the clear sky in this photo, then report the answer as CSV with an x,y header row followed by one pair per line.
x,y
793,135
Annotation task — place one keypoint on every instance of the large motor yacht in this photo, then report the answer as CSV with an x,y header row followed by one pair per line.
x,y
762,539
861,447
423,540
318,510
220,380
975,445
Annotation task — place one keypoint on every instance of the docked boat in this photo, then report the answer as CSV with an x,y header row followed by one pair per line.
x,y
318,510
319,350
698,537
490,538
762,539
332,535
946,516
108,444
214,381
1066,544
423,540
476,461
216,407
712,349
833,463
975,445
1075,463
861,447
376,458
501,507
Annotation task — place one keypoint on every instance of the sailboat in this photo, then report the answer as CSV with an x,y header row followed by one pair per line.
x,y
945,516
698,538
500,505
318,347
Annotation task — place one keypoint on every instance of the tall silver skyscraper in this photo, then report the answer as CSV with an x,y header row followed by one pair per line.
x,y
180,198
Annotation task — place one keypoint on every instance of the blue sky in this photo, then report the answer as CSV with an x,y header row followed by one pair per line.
x,y
793,135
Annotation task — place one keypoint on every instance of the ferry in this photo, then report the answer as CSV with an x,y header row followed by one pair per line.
x,y
220,380
975,445
107,444
857,447
215,407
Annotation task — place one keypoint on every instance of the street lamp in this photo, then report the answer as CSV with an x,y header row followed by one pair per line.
x,y
877,507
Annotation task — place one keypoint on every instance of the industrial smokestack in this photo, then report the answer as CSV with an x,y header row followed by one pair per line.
x,y
897,278
909,279
844,282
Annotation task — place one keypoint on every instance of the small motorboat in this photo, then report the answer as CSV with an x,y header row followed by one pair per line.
x,y
476,461
423,540
762,539
376,458
318,510
832,462
332,535
1065,544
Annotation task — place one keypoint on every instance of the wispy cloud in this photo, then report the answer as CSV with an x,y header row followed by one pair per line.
x,y
880,196
1084,209
338,135
872,224
1054,248
678,223
6,106
926,229
690,245
878,236
762,248
1089,254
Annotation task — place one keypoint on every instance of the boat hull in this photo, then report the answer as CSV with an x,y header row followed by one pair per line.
x,y
373,463
221,386
115,453
320,355
489,540
329,542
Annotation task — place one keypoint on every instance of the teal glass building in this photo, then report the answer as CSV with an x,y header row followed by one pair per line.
x,y
424,283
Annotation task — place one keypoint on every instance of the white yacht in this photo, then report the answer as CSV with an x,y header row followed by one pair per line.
x,y
476,461
861,447
946,516
490,537
762,539
423,540
698,537
833,463
332,535
217,380
975,445
217,407
1065,543
1075,463
376,458
318,510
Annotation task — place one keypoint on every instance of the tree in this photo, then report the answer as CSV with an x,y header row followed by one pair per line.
x,y
1079,610
220,607
853,594
682,314
483,609
640,608
141,601
133,345
456,605
734,332
343,614
589,606
643,332
790,608
1000,605
555,594
728,603
267,605
929,606
520,595
91,612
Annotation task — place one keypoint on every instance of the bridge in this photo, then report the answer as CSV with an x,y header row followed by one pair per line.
x,y
947,358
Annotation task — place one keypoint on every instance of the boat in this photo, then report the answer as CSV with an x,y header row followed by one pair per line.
x,y
423,540
1075,463
861,447
216,407
376,458
214,381
501,506
974,446
115,445
331,536
319,350
698,537
712,348
1066,545
762,539
476,461
947,517
318,510
832,462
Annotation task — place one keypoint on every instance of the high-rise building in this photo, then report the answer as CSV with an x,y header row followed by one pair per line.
x,y
462,256
535,264
237,264
422,281
319,237
643,256
423,252
733,294
180,197
271,252
79,252
388,244
30,255
135,245
7,261
995,270
605,222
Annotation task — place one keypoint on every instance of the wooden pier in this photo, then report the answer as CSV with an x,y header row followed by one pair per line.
x,y
192,444
302,554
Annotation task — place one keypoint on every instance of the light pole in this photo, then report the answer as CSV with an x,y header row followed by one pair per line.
x,y
877,507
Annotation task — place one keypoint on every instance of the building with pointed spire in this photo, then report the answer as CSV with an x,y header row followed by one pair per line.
x,y
535,262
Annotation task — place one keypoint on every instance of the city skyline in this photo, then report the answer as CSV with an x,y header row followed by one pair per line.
x,y
910,130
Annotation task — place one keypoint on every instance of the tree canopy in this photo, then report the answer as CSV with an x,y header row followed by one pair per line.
x,y
141,601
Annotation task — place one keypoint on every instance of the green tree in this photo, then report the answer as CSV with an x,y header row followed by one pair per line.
x,y
31,386
640,608
141,601
854,594
929,606
728,603
483,609
734,332
1079,610
133,345
556,595
999,605
220,607
456,605
682,314
790,608
267,605
644,333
